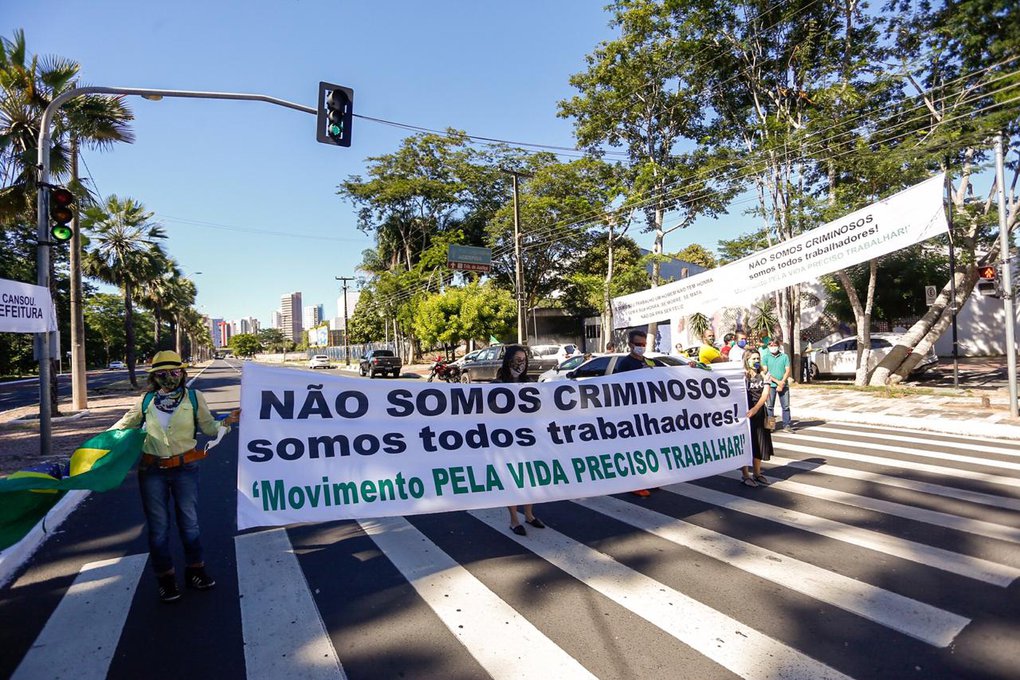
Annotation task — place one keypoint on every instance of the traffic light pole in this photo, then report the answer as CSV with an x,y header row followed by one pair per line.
x,y
42,257
1007,278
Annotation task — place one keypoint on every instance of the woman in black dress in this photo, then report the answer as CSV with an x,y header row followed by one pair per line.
x,y
515,369
761,438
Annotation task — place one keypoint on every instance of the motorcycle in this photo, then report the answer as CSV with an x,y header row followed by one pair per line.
x,y
444,370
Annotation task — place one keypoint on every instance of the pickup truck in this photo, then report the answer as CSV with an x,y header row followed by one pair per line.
x,y
483,368
380,362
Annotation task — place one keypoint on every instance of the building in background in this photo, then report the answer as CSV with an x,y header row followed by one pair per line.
x,y
312,316
352,302
276,320
290,312
248,325
214,330
224,331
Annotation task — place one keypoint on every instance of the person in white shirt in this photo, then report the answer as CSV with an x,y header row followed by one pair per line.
x,y
737,351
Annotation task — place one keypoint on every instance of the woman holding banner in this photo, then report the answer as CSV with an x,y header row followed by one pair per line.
x,y
515,369
761,438
171,415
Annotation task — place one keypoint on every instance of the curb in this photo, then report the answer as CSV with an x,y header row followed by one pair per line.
x,y
17,555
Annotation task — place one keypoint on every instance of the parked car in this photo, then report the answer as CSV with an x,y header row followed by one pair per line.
x,y
483,368
840,357
470,356
319,361
117,364
380,362
606,365
560,371
560,352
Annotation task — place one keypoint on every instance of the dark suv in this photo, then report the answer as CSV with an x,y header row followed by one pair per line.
x,y
485,365
380,362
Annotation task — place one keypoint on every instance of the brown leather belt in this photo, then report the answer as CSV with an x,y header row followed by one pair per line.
x,y
173,461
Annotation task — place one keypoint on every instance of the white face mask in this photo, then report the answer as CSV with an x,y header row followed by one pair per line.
x,y
638,350
774,350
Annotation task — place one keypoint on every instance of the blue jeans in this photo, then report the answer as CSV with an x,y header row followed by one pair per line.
x,y
158,487
784,402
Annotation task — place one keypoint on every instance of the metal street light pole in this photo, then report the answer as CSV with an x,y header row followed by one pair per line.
x,y
43,340
518,267
1007,277
347,350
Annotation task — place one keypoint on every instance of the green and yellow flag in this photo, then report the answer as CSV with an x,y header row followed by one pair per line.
x,y
100,464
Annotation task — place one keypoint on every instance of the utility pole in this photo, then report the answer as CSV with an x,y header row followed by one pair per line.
x,y
1006,277
518,267
347,351
79,386
952,276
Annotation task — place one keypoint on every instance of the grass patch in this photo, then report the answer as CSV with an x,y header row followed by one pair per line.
x,y
887,391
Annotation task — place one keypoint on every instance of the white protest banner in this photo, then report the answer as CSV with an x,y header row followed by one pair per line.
x,y
25,308
908,217
318,448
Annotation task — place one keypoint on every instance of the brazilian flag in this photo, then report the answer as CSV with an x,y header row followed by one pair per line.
x,y
100,464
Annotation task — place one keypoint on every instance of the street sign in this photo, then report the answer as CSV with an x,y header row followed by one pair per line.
x,y
930,293
469,258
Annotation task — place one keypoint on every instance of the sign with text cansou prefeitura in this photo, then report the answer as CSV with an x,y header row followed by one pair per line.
x,y
25,308
316,448
908,217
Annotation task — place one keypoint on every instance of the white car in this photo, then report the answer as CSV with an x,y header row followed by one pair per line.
x,y
561,352
319,361
561,370
117,364
470,356
840,357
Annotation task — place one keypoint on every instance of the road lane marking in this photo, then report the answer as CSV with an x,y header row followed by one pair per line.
x,y
964,565
906,615
726,641
284,636
993,500
942,471
939,519
956,458
503,642
81,636
970,445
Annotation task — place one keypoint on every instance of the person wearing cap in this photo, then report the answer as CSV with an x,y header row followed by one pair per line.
x,y
171,415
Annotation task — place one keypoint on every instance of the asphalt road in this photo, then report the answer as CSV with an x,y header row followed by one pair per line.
x,y
18,393
876,554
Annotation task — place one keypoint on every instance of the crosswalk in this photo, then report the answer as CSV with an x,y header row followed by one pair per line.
x,y
873,553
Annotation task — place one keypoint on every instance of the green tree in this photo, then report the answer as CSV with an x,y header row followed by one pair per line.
x,y
245,344
274,340
104,320
699,255
125,249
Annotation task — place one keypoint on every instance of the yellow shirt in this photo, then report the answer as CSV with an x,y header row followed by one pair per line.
x,y
707,354
180,435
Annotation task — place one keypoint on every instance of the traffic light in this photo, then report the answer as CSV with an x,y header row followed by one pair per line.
x,y
988,280
335,114
61,214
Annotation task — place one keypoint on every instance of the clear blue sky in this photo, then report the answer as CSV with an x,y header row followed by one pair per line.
x,y
492,69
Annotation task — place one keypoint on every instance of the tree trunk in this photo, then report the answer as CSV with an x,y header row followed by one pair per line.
x,y
129,334
922,335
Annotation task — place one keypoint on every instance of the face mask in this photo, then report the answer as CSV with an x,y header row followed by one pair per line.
x,y
774,350
168,382
516,371
756,365
638,350
741,344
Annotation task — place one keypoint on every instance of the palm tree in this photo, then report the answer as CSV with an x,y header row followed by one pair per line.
x,y
125,249
156,295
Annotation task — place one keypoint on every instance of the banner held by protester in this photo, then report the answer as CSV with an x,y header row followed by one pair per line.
x,y
318,448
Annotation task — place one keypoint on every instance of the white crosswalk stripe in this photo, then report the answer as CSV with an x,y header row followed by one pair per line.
x,y
916,619
941,519
972,445
87,623
729,643
900,482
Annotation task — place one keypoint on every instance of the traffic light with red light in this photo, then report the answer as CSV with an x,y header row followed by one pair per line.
x,y
988,280
61,214
335,113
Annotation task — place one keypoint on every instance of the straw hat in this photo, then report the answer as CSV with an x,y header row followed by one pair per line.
x,y
167,359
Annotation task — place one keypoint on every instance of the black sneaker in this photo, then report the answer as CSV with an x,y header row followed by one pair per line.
x,y
195,577
168,591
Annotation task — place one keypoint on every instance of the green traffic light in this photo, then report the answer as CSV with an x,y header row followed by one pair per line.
x,y
335,130
62,232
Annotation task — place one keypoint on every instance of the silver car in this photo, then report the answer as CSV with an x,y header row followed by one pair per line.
x,y
840,357
606,365
560,372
